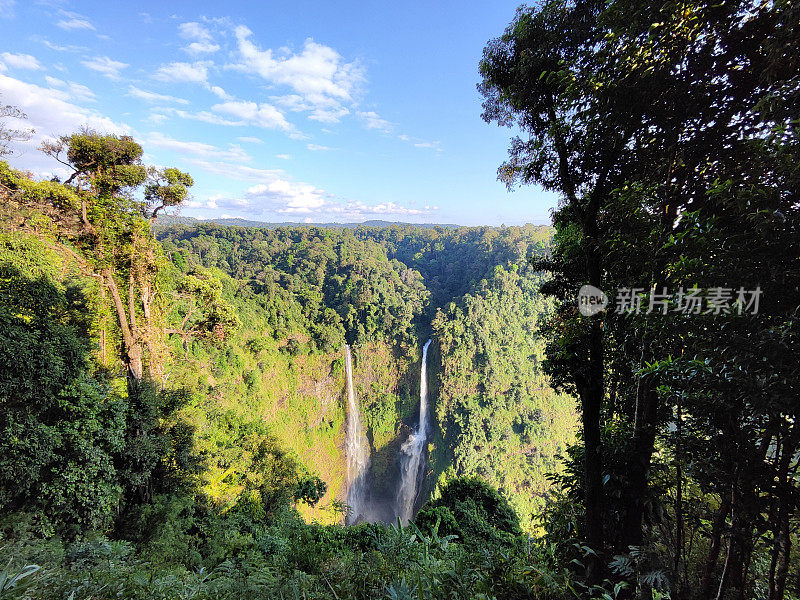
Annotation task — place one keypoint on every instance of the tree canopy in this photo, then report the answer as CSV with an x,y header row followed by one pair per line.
x,y
665,129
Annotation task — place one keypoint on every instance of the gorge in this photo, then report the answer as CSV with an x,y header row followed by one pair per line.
x,y
336,320
362,504
414,449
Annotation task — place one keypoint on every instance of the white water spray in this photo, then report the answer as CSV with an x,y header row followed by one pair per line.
x,y
411,465
357,450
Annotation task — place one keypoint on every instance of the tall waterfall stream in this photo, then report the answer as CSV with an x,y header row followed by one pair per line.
x,y
413,450
363,502
357,448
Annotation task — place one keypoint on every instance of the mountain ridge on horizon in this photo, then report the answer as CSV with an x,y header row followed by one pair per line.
x,y
170,220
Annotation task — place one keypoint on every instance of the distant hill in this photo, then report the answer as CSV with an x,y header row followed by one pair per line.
x,y
168,220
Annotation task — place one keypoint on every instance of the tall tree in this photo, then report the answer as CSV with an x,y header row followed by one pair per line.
x,y
8,133
634,114
116,244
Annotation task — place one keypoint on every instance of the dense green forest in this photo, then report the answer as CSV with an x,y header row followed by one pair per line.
x,y
304,292
172,396
234,404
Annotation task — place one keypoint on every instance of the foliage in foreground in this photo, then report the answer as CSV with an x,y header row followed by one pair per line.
x,y
193,551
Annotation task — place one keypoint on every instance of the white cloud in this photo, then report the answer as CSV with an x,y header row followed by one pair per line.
x,y
65,48
51,114
194,31
318,148
202,41
250,140
201,48
233,152
153,96
293,102
328,115
321,113
205,117
420,143
236,171
220,93
433,145
72,21
212,201
373,120
184,72
76,91
359,209
156,118
273,192
20,61
106,66
284,156
261,115
322,81
286,197
276,193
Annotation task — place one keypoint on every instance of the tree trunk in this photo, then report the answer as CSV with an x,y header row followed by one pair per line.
x,y
784,543
131,345
593,482
103,343
591,393
644,425
704,589
782,539
644,437
135,363
153,362
723,580
745,556
680,532
733,574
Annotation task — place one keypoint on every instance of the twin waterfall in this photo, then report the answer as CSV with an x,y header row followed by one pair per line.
x,y
357,448
411,471
412,453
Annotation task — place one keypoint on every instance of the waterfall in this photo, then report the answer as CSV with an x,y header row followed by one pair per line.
x,y
357,452
411,465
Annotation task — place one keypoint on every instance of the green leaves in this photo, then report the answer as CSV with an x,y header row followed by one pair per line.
x,y
14,586
202,310
166,187
60,425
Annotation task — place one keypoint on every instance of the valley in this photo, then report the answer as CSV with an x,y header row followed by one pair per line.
x,y
305,292
248,352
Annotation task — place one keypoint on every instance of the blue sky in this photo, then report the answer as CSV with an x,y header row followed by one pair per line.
x,y
282,111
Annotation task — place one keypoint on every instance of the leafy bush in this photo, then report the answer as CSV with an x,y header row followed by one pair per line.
x,y
474,511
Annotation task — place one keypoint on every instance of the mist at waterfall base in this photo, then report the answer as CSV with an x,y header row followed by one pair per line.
x,y
371,505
